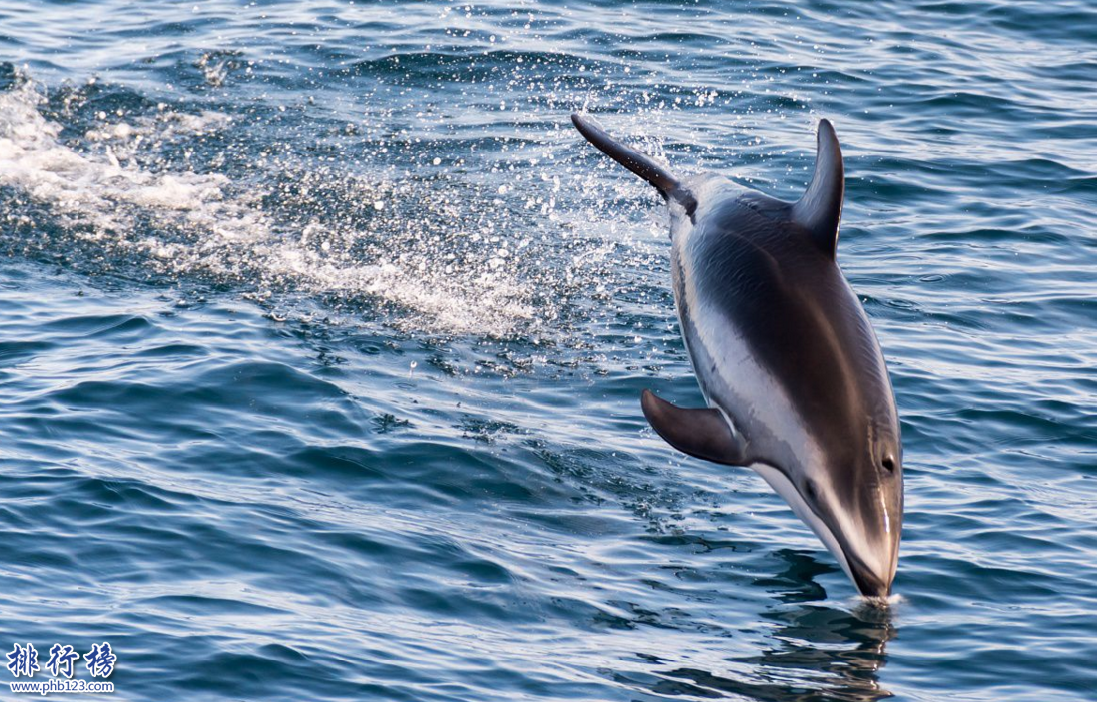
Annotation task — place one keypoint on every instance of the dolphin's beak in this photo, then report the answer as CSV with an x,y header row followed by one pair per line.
x,y
873,575
865,541
869,582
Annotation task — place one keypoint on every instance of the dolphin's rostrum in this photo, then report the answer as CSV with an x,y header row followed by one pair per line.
x,y
785,356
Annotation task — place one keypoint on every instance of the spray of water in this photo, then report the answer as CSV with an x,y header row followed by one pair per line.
x,y
441,251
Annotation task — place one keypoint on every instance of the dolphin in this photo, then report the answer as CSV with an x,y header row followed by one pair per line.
x,y
786,358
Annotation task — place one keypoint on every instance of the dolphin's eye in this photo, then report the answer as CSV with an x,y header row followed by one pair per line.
x,y
889,464
809,491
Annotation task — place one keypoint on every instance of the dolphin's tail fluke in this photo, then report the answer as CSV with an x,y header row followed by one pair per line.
x,y
640,164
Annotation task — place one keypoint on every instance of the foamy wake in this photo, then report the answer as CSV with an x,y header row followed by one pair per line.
x,y
105,191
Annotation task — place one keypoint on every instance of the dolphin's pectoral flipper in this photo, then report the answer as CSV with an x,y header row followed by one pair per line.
x,y
701,433
640,164
820,208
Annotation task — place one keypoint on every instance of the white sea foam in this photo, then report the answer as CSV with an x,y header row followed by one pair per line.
x,y
98,189
453,260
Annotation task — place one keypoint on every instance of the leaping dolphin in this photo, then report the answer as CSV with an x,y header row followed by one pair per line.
x,y
785,356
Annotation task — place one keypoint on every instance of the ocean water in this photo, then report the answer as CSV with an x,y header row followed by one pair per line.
x,y
323,334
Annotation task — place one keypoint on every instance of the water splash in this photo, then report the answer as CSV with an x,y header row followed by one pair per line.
x,y
442,250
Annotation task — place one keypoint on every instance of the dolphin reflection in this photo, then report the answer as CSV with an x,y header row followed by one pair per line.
x,y
816,652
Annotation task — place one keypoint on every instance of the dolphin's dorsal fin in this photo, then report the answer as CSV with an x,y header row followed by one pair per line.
x,y
640,164
701,433
820,208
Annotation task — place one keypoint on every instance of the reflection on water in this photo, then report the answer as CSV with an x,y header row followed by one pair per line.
x,y
817,651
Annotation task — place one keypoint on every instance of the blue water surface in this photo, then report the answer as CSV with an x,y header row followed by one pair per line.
x,y
323,334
